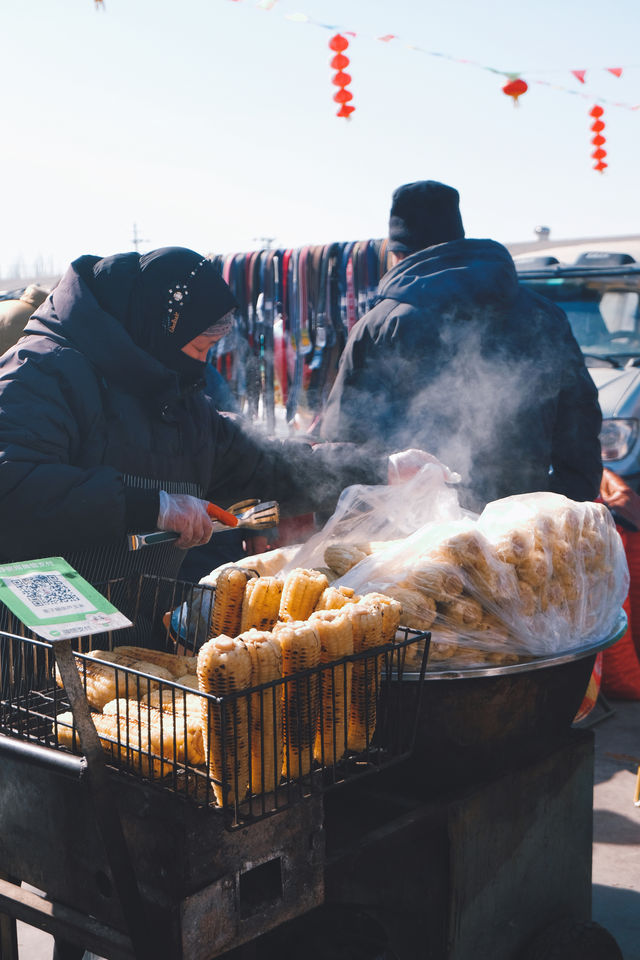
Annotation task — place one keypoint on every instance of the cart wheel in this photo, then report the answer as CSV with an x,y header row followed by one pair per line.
x,y
568,940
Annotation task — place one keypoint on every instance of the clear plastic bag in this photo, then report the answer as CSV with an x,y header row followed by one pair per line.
x,y
367,515
534,575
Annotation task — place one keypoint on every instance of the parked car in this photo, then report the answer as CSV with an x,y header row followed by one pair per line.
x,y
600,293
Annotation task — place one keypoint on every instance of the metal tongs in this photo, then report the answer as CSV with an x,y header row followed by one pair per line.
x,y
251,514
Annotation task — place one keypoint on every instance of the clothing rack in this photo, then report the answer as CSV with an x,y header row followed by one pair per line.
x,y
296,308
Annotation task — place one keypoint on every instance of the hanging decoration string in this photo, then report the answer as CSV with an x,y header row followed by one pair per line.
x,y
393,39
339,44
598,140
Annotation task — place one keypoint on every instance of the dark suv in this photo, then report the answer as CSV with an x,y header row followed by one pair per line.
x,y
600,293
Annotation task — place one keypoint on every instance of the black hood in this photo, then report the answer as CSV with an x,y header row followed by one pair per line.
x,y
71,316
464,272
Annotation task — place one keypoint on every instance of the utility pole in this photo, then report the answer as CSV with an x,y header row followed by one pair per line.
x,y
266,243
137,239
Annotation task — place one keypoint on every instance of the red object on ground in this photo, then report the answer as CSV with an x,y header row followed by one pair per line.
x,y
593,691
621,664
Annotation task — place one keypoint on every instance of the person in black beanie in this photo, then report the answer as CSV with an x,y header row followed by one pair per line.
x,y
458,358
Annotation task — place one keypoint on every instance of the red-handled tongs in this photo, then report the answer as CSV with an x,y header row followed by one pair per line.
x,y
248,513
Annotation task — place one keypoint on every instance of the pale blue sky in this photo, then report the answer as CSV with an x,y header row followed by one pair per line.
x,y
210,122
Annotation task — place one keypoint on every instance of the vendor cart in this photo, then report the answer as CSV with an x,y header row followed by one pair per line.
x,y
135,856
473,836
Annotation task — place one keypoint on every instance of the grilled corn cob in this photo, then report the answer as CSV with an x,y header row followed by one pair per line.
x,y
179,734
178,701
224,667
261,603
226,616
265,710
391,609
335,597
437,580
418,610
103,682
463,613
366,621
302,590
150,749
175,664
336,642
300,645
341,557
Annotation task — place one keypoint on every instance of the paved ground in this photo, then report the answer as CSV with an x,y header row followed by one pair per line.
x,y
616,828
616,848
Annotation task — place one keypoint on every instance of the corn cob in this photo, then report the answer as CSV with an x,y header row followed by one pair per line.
x,y
302,590
176,665
226,616
528,598
224,666
336,641
463,613
418,610
265,710
515,546
534,569
180,733
175,700
437,580
391,613
300,645
146,747
261,603
103,682
341,557
366,622
335,597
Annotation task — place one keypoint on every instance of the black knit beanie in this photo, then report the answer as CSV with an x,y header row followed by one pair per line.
x,y
423,214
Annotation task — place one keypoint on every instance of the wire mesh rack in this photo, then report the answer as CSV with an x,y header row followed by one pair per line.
x,y
248,754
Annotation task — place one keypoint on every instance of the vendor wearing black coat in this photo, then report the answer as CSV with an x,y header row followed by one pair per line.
x,y
458,358
105,429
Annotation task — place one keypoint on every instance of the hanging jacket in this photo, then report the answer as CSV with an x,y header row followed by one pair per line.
x,y
457,358
92,427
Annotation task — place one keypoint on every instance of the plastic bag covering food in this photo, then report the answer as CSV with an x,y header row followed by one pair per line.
x,y
382,513
534,575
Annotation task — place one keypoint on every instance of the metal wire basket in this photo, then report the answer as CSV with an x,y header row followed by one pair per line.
x,y
249,754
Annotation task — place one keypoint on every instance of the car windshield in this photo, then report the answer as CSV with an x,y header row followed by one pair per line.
x,y
604,312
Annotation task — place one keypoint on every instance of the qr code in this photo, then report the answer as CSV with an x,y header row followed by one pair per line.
x,y
48,594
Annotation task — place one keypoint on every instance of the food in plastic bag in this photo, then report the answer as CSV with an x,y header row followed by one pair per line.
x,y
535,574
364,516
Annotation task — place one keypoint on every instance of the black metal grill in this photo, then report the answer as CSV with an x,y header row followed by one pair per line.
x,y
167,747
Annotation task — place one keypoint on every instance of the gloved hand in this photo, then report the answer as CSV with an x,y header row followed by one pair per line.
x,y
406,463
187,516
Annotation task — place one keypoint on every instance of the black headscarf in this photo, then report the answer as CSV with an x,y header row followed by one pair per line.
x,y
163,298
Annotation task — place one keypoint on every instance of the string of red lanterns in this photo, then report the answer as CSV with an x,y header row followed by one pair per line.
x,y
598,140
339,44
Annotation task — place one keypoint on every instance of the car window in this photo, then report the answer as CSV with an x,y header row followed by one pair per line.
x,y
604,313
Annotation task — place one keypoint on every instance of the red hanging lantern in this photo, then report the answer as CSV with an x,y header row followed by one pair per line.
x,y
598,140
339,44
515,88
339,62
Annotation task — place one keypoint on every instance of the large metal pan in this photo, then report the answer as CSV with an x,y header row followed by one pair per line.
x,y
475,721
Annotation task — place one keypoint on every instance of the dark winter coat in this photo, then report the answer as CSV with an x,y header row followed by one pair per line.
x,y
458,358
86,415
